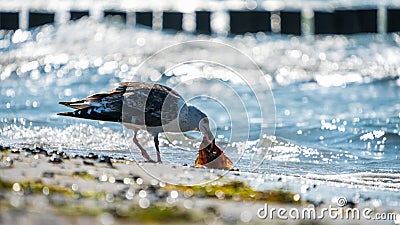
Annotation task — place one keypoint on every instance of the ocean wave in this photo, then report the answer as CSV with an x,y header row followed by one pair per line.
x,y
370,179
328,61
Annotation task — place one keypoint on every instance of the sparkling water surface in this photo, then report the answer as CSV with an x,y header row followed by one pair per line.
x,y
336,97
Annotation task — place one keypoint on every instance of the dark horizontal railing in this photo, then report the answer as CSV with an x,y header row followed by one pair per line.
x,y
374,19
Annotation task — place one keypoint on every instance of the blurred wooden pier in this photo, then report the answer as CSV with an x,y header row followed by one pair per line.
x,y
212,17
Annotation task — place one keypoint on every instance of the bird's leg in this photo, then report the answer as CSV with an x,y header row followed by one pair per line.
x,y
156,143
144,152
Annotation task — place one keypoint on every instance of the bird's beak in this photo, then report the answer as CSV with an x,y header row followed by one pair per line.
x,y
206,131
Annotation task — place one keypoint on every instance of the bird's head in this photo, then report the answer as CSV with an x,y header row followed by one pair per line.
x,y
201,123
204,128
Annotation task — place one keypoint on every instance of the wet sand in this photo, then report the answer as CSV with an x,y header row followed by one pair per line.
x,y
41,187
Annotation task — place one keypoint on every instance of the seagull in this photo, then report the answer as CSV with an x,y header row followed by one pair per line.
x,y
143,106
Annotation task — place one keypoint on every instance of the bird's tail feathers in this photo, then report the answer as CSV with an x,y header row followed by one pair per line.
x,y
93,113
66,114
76,105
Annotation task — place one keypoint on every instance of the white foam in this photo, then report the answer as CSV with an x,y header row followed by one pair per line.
x,y
369,179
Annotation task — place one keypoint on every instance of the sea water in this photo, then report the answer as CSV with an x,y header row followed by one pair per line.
x,y
336,97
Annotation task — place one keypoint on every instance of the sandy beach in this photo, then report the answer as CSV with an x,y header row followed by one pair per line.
x,y
40,187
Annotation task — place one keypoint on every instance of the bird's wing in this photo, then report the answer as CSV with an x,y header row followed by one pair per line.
x,y
131,102
150,105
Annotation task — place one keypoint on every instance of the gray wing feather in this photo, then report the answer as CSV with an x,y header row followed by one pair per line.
x,y
151,105
134,102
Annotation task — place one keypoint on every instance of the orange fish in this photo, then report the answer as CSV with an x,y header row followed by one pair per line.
x,y
211,156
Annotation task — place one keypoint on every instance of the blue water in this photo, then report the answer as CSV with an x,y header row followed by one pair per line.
x,y
354,128
336,97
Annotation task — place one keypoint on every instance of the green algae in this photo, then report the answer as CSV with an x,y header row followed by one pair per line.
x,y
37,187
84,175
160,213
79,210
156,213
236,190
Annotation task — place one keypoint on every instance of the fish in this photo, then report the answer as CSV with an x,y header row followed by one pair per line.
x,y
211,156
